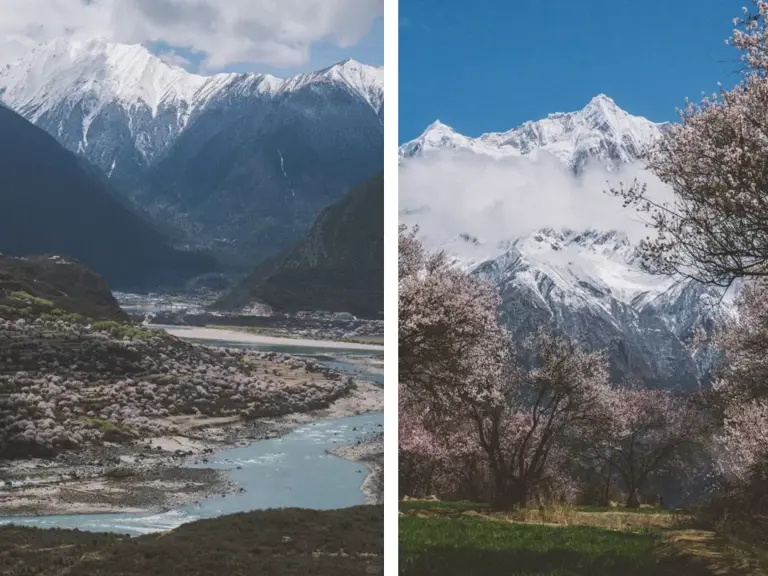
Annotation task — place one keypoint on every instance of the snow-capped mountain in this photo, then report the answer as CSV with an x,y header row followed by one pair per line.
x,y
130,75
600,131
588,283
240,162
99,98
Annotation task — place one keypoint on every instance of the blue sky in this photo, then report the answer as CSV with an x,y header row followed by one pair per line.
x,y
370,50
489,66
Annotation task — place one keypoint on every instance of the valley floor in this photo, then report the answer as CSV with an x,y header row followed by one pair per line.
x,y
467,539
149,475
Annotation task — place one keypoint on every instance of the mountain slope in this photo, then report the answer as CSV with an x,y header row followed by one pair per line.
x,y
241,163
338,266
67,285
51,202
249,178
121,106
587,283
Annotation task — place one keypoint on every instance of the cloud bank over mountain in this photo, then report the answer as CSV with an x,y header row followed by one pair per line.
x,y
278,34
496,200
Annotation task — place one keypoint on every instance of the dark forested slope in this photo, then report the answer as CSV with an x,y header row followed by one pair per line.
x,y
338,266
51,202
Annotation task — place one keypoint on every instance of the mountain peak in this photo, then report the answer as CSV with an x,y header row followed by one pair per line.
x,y
349,63
602,99
436,136
365,80
438,126
352,66
603,105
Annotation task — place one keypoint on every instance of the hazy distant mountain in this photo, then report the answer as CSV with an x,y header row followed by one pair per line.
x,y
52,202
338,266
239,162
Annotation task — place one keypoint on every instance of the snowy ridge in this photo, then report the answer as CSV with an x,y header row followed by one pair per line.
x,y
365,81
600,130
68,69
591,285
604,263
65,70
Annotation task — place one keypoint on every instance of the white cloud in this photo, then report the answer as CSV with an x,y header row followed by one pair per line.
x,y
174,59
274,32
498,200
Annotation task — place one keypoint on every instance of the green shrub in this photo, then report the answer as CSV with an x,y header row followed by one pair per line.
x,y
28,298
109,430
118,330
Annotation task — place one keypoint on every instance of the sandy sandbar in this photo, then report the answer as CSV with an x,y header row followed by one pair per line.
x,y
218,334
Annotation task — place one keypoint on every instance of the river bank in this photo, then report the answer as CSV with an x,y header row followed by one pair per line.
x,y
369,452
131,424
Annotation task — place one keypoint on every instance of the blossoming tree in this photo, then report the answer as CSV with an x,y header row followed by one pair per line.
x,y
524,436
648,432
716,227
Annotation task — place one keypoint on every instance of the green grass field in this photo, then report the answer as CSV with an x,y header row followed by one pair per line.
x,y
464,539
438,505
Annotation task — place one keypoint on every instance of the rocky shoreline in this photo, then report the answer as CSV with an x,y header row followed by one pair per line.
x,y
370,453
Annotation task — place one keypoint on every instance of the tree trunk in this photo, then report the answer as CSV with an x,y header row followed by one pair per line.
x,y
635,486
520,495
510,495
633,500
469,488
428,480
607,491
499,490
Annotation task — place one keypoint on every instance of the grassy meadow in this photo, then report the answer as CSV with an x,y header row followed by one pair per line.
x,y
461,538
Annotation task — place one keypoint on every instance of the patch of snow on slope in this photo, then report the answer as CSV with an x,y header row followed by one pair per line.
x,y
606,260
